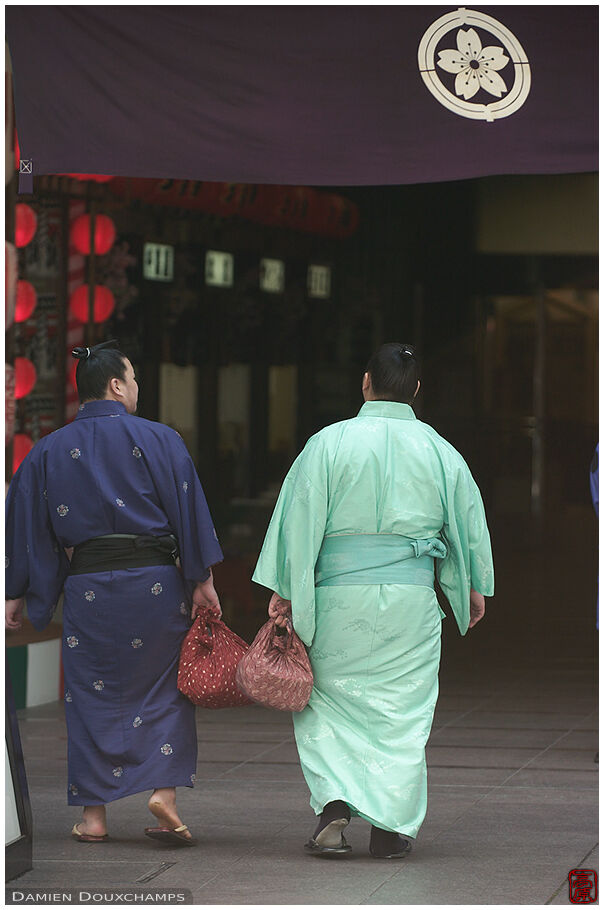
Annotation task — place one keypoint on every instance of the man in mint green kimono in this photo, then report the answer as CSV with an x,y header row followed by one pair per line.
x,y
370,510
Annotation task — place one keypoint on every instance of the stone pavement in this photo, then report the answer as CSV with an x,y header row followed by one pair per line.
x,y
512,797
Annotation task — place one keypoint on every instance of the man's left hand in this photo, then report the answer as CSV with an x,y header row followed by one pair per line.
x,y
14,613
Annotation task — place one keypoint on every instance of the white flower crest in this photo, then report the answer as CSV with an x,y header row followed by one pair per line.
x,y
62,510
117,772
137,721
90,596
75,453
476,66
136,643
166,749
72,641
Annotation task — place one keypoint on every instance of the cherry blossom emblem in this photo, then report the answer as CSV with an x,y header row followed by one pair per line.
x,y
99,685
136,452
136,643
73,789
185,485
62,510
120,503
90,596
72,641
489,65
75,453
137,721
68,696
166,749
156,589
183,609
117,772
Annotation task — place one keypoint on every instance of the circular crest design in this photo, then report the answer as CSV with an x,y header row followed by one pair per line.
x,y
475,67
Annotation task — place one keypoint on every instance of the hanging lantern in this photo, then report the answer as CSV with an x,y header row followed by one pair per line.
x,y
104,303
73,366
25,377
26,223
10,283
26,301
22,446
9,403
104,234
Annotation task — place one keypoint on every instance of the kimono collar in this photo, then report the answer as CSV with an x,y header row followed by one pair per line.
x,y
101,408
394,409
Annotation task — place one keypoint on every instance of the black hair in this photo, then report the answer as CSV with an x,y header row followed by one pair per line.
x,y
97,367
394,371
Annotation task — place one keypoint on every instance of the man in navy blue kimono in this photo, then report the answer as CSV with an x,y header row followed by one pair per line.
x,y
124,494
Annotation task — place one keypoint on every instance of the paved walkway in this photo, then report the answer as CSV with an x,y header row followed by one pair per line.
x,y
512,800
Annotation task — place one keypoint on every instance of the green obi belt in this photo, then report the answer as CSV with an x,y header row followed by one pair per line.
x,y
377,559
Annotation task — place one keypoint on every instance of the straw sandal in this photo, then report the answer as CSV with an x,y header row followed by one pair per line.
x,y
88,838
171,835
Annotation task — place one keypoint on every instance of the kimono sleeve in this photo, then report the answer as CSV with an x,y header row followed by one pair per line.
x,y
469,562
294,537
184,501
36,565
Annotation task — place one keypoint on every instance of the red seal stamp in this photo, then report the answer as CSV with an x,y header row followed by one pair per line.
x,y
582,886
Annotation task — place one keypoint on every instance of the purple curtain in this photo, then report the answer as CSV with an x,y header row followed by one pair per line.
x,y
305,94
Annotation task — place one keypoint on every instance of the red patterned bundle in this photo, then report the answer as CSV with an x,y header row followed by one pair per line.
x,y
275,671
208,663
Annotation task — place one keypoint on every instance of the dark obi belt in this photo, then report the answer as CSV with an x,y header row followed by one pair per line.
x,y
123,551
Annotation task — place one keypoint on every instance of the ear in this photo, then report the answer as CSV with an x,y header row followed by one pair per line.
x,y
366,382
114,386
417,389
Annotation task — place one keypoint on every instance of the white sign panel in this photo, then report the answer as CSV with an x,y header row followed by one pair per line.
x,y
158,262
272,276
219,269
319,281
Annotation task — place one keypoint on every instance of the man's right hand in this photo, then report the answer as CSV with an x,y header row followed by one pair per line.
x,y
205,595
14,613
477,607
280,610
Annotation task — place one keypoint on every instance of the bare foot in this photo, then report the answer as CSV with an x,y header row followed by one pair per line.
x,y
94,821
162,804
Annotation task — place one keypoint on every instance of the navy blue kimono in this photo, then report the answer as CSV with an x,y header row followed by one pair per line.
x,y
108,472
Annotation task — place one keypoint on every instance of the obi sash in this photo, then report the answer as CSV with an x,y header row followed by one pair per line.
x,y
377,559
113,552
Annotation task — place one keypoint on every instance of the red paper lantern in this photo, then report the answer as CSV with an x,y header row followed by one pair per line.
x,y
10,283
26,223
104,234
25,377
22,446
26,301
72,373
9,403
104,303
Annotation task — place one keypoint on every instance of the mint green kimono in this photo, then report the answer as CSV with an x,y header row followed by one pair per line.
x,y
365,508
